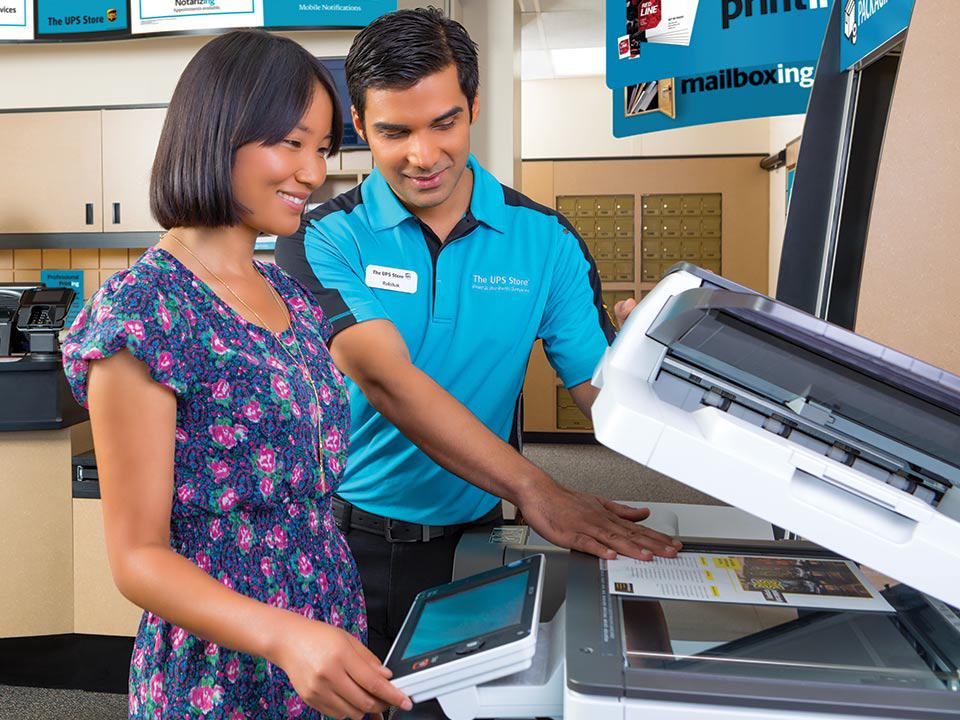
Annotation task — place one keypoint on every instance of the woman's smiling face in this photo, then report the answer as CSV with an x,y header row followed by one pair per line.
x,y
272,182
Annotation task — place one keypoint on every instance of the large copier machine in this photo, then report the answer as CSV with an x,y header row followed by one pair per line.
x,y
848,448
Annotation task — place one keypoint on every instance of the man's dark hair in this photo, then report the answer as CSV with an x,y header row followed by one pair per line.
x,y
242,87
399,49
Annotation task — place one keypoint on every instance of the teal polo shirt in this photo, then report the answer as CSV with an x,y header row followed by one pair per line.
x,y
469,310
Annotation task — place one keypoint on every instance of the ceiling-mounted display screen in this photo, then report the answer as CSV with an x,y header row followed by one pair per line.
x,y
81,19
16,20
296,13
160,16
78,20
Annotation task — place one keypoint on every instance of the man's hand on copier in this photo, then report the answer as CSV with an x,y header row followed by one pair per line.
x,y
375,357
591,524
586,522
622,309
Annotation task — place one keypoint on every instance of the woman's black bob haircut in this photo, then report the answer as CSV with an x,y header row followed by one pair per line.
x,y
399,49
242,87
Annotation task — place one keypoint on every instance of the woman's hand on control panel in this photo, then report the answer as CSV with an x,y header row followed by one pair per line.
x,y
333,672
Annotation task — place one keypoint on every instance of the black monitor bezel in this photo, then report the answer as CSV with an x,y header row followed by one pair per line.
x,y
404,666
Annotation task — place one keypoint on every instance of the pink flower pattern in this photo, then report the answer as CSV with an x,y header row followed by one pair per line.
x,y
248,507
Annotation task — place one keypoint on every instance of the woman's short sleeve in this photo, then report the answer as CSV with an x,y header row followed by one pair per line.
x,y
128,313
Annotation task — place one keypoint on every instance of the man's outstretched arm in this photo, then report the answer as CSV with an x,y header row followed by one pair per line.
x,y
374,355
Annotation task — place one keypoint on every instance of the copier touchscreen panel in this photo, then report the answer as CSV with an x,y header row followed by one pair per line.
x,y
486,619
478,611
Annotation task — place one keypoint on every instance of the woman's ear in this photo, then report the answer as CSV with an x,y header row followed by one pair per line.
x,y
357,123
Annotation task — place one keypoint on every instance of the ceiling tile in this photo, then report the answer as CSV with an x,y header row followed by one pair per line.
x,y
535,65
594,6
573,30
575,62
530,36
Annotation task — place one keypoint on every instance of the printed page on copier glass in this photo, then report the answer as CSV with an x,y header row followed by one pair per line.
x,y
749,580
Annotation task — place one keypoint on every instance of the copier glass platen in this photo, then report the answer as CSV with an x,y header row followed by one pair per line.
x,y
850,448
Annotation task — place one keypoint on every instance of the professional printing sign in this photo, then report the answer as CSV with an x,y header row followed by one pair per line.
x,y
296,13
16,20
868,24
160,16
729,94
66,279
60,19
653,39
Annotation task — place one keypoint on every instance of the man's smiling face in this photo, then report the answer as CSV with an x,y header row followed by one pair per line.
x,y
420,137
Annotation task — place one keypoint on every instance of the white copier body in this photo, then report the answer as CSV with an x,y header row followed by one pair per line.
x,y
848,448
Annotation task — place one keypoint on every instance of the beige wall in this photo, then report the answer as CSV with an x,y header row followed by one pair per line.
x,y
122,72
910,290
573,118
495,26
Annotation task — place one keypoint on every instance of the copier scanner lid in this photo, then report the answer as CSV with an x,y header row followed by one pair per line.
x,y
836,438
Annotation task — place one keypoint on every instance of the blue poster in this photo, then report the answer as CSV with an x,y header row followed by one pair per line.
x,y
75,17
295,13
729,94
868,24
653,39
69,279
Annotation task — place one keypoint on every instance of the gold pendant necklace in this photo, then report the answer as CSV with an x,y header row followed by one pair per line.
x,y
284,310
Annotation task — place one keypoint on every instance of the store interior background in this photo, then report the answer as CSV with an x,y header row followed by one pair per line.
x,y
542,86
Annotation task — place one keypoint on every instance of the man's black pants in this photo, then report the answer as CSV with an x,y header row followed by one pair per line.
x,y
393,573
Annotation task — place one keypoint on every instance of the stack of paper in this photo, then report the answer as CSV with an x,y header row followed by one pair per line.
x,y
676,23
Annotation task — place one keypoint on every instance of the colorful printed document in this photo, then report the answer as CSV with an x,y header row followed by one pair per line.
x,y
745,579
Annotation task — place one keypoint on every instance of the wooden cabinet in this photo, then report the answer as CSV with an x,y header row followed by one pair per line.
x,y
129,143
99,608
51,179
85,171
665,210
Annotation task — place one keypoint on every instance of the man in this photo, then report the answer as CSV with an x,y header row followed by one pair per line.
x,y
437,280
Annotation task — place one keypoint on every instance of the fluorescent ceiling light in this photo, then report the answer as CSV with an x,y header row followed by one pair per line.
x,y
572,62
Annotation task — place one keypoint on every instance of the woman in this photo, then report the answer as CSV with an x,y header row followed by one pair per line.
x,y
219,420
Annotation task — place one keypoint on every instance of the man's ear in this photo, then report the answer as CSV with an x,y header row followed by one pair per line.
x,y
357,123
475,108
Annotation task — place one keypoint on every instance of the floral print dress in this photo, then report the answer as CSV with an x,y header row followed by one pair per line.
x,y
250,507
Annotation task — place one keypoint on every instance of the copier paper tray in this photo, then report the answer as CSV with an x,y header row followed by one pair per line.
x,y
840,440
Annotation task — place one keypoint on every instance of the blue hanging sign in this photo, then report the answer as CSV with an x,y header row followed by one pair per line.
x,y
868,24
296,13
653,39
61,19
729,94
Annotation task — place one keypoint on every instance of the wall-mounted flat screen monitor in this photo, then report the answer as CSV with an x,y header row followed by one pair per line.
x,y
336,67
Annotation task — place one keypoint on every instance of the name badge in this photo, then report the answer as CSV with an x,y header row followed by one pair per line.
x,y
385,278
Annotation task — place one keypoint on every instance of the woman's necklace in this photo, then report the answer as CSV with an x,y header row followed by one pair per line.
x,y
302,364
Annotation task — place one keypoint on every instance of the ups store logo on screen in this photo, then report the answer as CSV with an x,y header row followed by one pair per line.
x,y
73,20
738,9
